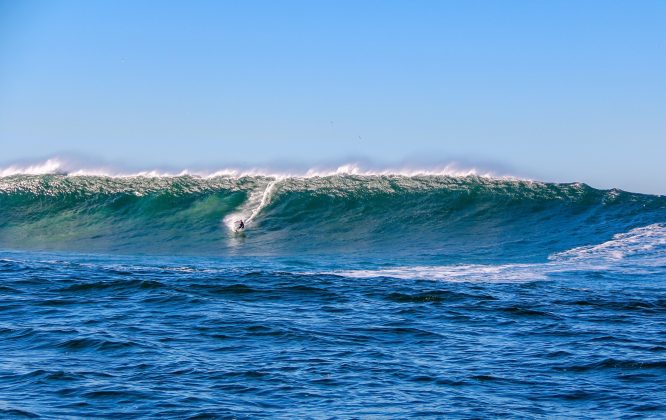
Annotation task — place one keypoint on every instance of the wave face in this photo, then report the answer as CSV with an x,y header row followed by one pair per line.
x,y
446,218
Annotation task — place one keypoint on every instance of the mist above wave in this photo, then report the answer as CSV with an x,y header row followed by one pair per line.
x,y
65,167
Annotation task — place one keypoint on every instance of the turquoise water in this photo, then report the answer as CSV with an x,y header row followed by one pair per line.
x,y
345,296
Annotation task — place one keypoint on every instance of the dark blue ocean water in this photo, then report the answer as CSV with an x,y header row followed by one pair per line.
x,y
344,297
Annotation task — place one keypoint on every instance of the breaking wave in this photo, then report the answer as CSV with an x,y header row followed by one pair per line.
x,y
474,219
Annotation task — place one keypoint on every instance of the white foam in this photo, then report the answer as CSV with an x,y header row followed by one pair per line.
x,y
646,244
455,273
647,241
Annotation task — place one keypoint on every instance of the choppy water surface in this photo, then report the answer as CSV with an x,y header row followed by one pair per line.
x,y
347,296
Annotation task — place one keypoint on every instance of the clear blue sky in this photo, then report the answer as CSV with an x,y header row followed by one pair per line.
x,y
560,90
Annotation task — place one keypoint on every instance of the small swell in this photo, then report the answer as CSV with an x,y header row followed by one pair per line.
x,y
113,284
80,344
611,363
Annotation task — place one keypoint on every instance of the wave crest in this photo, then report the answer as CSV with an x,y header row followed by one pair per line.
x,y
61,166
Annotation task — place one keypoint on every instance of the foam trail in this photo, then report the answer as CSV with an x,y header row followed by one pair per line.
x,y
265,199
257,201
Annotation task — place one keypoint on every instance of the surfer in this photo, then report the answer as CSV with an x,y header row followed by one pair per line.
x,y
241,225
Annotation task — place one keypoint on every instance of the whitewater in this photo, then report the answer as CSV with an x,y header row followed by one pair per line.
x,y
442,292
